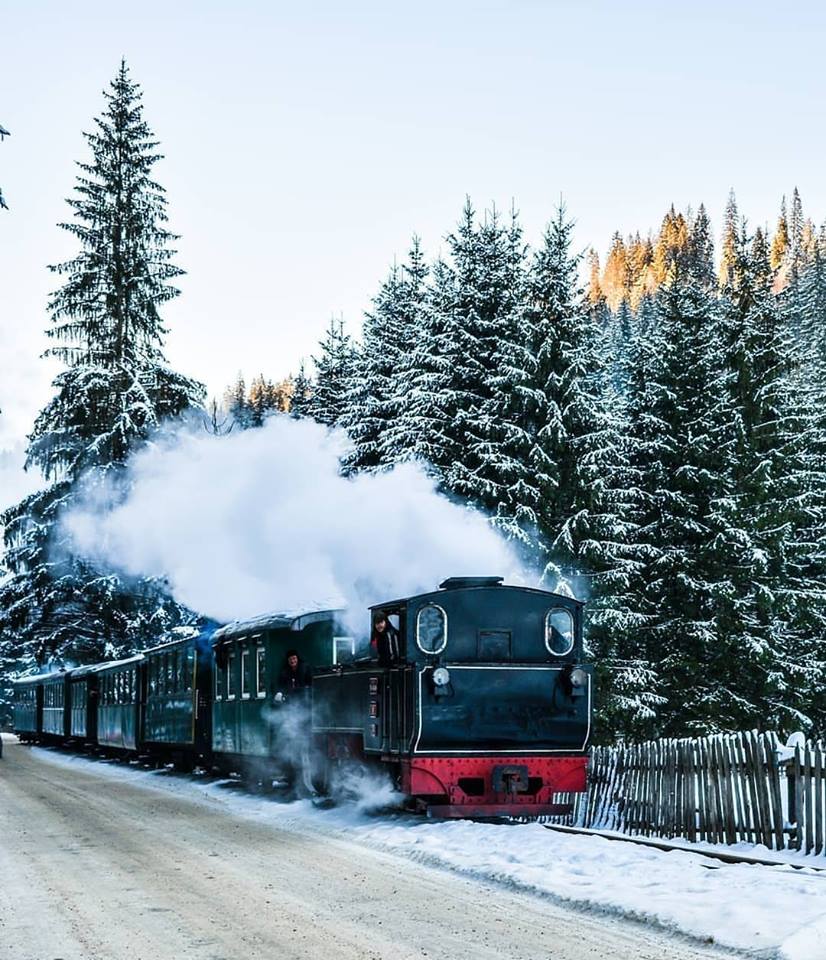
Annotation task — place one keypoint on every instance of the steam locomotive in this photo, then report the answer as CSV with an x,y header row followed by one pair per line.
x,y
484,711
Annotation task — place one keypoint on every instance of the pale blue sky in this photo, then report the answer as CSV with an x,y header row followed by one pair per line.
x,y
305,143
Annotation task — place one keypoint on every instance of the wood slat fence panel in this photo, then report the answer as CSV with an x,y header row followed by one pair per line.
x,y
728,788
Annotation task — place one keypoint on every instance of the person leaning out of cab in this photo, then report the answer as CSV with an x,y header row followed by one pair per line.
x,y
384,639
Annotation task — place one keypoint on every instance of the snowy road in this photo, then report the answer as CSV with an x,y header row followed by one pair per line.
x,y
99,867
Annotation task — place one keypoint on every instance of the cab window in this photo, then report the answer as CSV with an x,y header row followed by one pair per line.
x,y
559,631
431,629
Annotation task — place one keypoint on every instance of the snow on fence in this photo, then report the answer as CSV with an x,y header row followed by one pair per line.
x,y
720,789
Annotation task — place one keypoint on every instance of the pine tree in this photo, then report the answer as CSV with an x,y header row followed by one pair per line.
x,y
483,339
114,391
385,369
420,430
237,405
416,350
375,366
595,292
332,387
615,278
780,243
731,228
301,393
796,227
680,437
264,399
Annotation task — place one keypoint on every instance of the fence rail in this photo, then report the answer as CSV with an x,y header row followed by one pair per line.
x,y
720,789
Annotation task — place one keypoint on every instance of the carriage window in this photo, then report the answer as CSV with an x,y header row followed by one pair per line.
x,y
245,674
431,629
189,681
231,681
260,672
559,631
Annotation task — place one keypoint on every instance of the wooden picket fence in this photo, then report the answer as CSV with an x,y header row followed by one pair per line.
x,y
720,789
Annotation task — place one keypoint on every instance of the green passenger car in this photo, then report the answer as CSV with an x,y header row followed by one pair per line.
x,y
83,700
177,696
119,703
28,707
252,732
56,705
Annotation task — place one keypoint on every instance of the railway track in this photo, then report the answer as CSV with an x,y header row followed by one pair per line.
x,y
722,855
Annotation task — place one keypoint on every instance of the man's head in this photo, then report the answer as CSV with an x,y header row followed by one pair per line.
x,y
292,659
379,621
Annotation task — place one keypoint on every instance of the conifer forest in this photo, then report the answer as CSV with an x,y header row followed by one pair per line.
x,y
647,427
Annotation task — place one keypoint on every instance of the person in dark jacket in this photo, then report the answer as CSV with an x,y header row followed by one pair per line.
x,y
384,640
295,679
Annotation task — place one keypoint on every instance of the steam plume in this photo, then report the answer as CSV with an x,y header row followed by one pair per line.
x,y
261,520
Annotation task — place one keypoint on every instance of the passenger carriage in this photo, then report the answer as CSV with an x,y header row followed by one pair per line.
x,y
248,732
176,680
83,704
119,704
27,701
56,705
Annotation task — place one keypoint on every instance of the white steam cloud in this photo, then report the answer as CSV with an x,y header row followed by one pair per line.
x,y
261,520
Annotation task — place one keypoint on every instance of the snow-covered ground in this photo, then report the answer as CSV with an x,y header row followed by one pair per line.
x,y
776,911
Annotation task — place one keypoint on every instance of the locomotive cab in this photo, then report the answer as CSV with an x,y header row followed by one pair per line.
x,y
485,711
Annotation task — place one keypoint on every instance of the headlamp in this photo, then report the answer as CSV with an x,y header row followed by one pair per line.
x,y
579,677
441,677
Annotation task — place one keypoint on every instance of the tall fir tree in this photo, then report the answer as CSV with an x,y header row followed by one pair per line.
x,y
486,345
421,400
236,404
376,363
301,393
680,447
115,390
334,373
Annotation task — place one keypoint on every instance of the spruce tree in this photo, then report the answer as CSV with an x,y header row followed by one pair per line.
x,y
375,365
486,347
116,389
780,242
420,430
301,393
263,400
237,405
680,447
333,383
